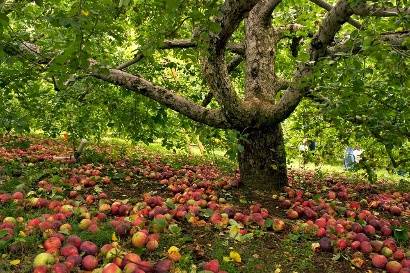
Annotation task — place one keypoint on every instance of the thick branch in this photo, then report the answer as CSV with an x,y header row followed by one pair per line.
x,y
231,66
232,14
261,41
267,9
328,7
329,26
214,67
396,39
165,97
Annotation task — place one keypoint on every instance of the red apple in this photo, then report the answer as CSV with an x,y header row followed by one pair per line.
x,y
60,268
111,268
74,240
130,268
74,260
105,248
398,255
379,261
393,267
52,243
145,266
341,244
292,214
152,245
369,230
89,248
18,195
212,266
68,250
164,266
355,245
132,257
406,263
89,262
366,247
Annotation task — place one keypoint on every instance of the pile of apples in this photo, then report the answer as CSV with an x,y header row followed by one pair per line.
x,y
38,151
334,215
344,224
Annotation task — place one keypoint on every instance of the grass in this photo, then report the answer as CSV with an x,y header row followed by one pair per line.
x,y
267,252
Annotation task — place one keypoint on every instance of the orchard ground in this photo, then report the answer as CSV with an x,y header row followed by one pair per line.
x,y
182,213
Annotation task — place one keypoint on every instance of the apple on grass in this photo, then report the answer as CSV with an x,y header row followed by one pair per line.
x,y
212,266
111,268
139,239
52,243
89,248
43,259
379,261
89,262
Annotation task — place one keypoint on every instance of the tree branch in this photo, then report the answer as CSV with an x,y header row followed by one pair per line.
x,y
366,10
138,57
231,66
329,26
165,97
214,67
394,39
329,7
232,14
182,44
267,9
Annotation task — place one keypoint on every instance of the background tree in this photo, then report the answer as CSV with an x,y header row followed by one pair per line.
x,y
278,52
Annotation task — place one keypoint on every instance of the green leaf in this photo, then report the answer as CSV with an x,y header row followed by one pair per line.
x,y
336,257
268,223
4,20
175,229
3,233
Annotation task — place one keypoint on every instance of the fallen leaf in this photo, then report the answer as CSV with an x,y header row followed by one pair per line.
x,y
235,256
15,262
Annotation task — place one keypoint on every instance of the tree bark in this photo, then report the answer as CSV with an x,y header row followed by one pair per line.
x,y
262,162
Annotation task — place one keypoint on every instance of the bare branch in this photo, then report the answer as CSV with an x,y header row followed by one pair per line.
x,y
366,10
394,39
138,57
291,28
165,97
179,43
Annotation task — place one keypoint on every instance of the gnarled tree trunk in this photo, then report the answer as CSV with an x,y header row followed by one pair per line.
x,y
262,162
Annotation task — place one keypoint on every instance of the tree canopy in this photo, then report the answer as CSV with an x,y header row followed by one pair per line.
x,y
70,66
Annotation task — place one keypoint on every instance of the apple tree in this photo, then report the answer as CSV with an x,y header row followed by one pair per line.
x,y
238,65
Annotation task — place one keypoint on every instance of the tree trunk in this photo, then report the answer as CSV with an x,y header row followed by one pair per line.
x,y
262,162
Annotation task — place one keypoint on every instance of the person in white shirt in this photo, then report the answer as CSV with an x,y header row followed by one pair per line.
x,y
357,154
